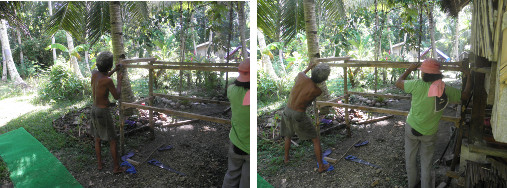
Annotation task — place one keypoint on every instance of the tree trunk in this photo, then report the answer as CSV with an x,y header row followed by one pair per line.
x,y
119,51
431,29
266,62
21,60
242,28
231,29
52,36
13,72
4,68
73,60
313,45
456,39
182,46
188,73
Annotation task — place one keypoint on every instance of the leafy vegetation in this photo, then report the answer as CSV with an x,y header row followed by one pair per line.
x,y
61,84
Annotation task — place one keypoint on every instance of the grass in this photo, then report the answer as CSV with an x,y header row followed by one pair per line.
x,y
8,89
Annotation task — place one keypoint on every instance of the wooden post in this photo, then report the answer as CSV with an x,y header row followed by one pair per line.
x,y
150,102
316,112
121,114
479,102
346,99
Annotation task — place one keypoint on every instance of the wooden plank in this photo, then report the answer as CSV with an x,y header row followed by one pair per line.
x,y
141,101
485,70
192,99
379,95
185,122
496,41
197,64
396,62
202,68
379,110
150,102
331,59
138,60
178,113
488,151
345,90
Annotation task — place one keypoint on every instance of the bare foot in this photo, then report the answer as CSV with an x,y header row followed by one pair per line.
x,y
286,160
323,168
99,167
119,170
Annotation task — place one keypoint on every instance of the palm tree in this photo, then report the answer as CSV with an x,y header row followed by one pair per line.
x,y
103,17
8,12
6,52
242,28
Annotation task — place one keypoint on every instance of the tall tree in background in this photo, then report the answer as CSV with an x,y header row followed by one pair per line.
x,y
50,6
242,28
6,53
73,60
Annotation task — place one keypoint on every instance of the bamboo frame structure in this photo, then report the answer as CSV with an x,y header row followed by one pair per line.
x,y
152,64
453,66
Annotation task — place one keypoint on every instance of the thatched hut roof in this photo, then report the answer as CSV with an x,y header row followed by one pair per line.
x,y
452,7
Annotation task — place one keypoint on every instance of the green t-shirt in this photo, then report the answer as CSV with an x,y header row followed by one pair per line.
x,y
240,120
422,116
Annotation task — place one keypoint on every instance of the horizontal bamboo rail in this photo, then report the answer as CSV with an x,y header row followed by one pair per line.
x,y
138,60
400,62
202,68
379,110
331,59
379,95
386,65
191,99
197,64
488,151
177,113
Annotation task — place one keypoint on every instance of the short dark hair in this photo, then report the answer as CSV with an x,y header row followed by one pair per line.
x,y
104,61
320,73
431,77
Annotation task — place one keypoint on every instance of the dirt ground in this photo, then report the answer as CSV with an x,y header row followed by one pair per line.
x,y
199,151
385,149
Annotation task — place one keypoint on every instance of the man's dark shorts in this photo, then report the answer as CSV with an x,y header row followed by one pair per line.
x,y
294,122
102,124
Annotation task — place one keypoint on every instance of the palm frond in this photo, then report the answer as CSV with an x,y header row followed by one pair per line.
x,y
68,17
333,9
8,12
293,19
98,21
57,46
136,10
268,17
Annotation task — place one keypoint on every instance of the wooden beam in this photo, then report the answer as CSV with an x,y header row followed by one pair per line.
x,y
380,110
380,95
192,99
177,113
141,101
488,151
331,59
185,122
397,62
197,64
485,70
138,60
202,68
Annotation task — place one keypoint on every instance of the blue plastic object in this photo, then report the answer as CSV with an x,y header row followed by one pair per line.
x,y
161,165
331,167
163,148
131,169
357,160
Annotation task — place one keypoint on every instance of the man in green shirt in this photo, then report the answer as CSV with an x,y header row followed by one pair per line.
x,y
429,98
238,168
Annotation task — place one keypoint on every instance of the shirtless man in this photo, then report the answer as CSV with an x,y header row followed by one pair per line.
x,y
102,122
294,118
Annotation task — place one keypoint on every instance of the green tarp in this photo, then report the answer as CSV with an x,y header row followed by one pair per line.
x,y
262,183
31,164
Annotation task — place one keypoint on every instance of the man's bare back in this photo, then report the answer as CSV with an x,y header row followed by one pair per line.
x,y
303,93
101,86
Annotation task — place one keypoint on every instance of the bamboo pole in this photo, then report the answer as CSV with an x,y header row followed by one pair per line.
x,y
331,59
380,95
380,110
196,64
488,151
498,30
138,60
346,99
150,102
386,65
178,113
121,115
191,99
202,68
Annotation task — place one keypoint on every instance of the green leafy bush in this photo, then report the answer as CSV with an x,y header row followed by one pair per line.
x,y
61,84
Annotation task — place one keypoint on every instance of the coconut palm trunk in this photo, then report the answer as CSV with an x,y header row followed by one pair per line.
x,y
118,49
267,66
6,49
4,69
456,39
313,45
52,36
73,60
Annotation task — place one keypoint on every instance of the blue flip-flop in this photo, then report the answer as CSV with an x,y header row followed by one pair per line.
x,y
327,152
128,156
331,167
359,144
163,148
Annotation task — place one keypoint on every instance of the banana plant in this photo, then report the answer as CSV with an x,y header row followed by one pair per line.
x,y
72,52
